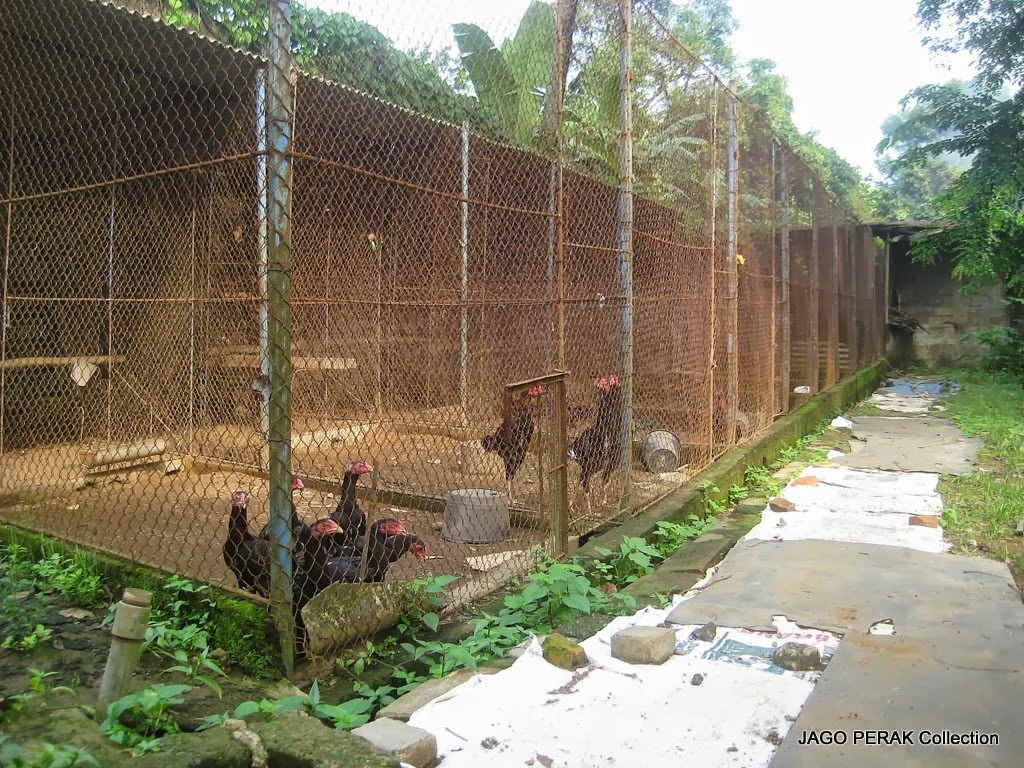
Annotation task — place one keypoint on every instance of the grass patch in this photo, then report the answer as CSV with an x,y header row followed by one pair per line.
x,y
984,508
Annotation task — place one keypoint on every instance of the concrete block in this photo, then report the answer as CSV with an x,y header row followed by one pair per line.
x,y
409,744
644,645
403,707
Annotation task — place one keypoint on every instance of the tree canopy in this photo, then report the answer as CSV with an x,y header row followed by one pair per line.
x,y
984,122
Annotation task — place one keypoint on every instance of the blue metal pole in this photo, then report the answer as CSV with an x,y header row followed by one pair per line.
x,y
280,105
626,241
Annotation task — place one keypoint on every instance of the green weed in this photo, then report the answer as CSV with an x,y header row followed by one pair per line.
x,y
984,508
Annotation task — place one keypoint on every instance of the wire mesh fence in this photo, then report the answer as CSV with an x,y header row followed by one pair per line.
x,y
222,269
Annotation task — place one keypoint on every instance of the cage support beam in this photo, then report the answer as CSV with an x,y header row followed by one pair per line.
x,y
787,331
833,357
732,278
814,320
280,106
4,319
626,242
712,278
464,283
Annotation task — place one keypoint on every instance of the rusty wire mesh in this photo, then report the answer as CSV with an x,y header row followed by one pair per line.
x,y
441,248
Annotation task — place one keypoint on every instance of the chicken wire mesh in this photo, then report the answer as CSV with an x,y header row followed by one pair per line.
x,y
219,271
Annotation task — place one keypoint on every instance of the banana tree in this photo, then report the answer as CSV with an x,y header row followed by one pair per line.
x,y
510,82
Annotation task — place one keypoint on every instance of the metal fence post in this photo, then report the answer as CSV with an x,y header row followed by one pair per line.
x,y
787,331
626,241
8,225
833,321
280,105
561,52
773,253
712,360
464,283
853,247
812,352
732,279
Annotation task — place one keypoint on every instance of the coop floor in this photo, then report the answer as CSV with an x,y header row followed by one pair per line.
x,y
177,521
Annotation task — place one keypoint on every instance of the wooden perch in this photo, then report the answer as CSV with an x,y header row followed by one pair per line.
x,y
42,362
241,357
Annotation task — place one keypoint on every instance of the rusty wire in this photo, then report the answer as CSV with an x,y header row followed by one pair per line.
x,y
436,257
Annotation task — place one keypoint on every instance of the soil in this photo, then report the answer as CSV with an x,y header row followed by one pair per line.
x,y
77,651
177,521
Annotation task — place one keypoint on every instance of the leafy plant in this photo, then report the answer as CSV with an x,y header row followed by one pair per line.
x,y
199,667
634,559
736,494
711,498
670,536
344,716
75,578
47,755
759,479
27,641
139,719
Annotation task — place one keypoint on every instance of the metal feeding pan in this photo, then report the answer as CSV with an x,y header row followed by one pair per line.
x,y
476,516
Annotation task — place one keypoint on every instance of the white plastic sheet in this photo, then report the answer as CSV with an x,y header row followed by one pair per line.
x,y
617,714
858,506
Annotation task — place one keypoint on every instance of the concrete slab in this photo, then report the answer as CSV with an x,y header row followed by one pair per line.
x,y
912,444
924,687
403,707
845,587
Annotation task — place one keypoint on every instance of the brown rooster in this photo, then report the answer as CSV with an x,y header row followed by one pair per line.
x,y
511,439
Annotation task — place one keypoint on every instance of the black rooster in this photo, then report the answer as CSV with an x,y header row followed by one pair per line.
x,y
389,540
596,449
347,514
511,439
244,554
299,528
248,557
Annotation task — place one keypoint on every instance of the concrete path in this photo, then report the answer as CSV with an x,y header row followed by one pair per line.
x,y
856,550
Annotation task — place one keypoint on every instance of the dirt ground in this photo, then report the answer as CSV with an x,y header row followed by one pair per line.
x,y
177,522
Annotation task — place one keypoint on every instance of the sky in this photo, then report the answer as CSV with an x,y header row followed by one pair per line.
x,y
847,64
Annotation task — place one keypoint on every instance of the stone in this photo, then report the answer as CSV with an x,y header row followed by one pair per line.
x,y
563,652
214,748
409,744
797,657
750,506
403,707
644,645
75,641
307,742
706,633
806,480
345,612
697,679
780,504
47,717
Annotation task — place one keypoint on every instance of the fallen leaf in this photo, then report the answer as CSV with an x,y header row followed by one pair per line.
x,y
928,521
806,480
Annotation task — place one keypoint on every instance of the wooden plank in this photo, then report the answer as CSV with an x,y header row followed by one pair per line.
x,y
43,362
251,360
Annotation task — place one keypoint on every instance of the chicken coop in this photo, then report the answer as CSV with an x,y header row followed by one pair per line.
x,y
432,265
